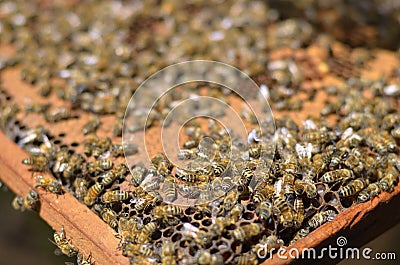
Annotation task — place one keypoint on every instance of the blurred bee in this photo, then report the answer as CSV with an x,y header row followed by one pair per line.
x,y
320,218
315,137
247,231
146,232
91,125
192,177
48,185
117,129
199,236
186,154
81,187
18,203
204,257
101,147
299,235
301,186
118,172
115,196
117,150
57,115
264,210
246,259
131,250
99,166
63,243
128,148
391,120
74,165
395,132
336,175
61,162
255,150
89,144
38,163
168,254
353,187
31,200
244,191
230,200
138,173
37,107
372,190
262,192
286,215
267,245
191,143
109,216
235,214
298,216
170,191
92,193
161,162
167,211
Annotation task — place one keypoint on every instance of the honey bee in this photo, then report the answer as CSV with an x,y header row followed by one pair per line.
x,y
131,250
264,210
73,166
353,187
301,186
267,245
247,231
286,215
101,147
314,136
193,177
48,185
57,114
320,218
37,107
255,150
146,232
149,200
64,244
109,216
247,176
338,157
167,211
201,237
99,166
298,216
186,154
389,180
162,164
262,192
61,162
336,175
138,172
92,193
91,125
115,196
353,161
246,259
236,213
230,200
31,200
204,257
369,192
170,191
192,143
89,144
80,259
299,235
18,203
220,167
118,172
244,191
168,254
81,187
38,163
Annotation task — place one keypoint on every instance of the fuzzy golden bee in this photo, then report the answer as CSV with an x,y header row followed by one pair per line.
x,y
49,185
92,193
115,196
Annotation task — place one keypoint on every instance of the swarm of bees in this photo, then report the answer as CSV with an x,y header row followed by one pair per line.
x,y
216,209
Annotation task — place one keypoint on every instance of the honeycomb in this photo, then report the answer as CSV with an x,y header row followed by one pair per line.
x,y
64,92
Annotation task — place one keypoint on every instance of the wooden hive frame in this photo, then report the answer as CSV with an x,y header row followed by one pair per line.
x,y
91,235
